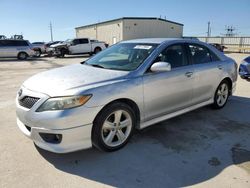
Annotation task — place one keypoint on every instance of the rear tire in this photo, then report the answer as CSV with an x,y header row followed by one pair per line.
x,y
113,127
221,95
22,56
97,50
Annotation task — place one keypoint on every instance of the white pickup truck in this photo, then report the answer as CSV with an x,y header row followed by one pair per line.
x,y
78,46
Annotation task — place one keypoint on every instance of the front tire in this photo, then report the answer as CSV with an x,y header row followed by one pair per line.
x,y
221,95
113,127
38,53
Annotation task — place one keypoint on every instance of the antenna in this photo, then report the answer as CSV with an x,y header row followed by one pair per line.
x,y
230,31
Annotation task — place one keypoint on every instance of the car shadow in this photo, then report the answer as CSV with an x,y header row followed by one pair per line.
x,y
183,151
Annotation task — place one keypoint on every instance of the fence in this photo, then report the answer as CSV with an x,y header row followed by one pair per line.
x,y
239,44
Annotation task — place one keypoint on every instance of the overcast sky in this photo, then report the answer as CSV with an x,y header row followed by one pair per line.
x,y
31,18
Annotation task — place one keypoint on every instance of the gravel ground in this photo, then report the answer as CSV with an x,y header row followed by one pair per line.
x,y
203,148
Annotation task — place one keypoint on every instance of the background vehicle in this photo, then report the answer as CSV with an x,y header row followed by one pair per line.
x,y
39,48
102,100
2,37
78,46
218,46
49,47
244,69
21,49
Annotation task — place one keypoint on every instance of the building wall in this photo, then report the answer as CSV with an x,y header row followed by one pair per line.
x,y
133,29
127,29
108,32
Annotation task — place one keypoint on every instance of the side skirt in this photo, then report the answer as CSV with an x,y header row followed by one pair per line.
x,y
171,115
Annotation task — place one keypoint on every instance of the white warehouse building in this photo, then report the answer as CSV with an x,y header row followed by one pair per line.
x,y
126,28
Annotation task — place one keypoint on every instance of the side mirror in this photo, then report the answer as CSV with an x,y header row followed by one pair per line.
x,y
160,67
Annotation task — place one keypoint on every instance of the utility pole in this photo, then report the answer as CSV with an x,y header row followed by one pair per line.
x,y
51,32
208,29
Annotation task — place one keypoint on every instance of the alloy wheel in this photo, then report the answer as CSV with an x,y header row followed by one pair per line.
x,y
222,94
116,128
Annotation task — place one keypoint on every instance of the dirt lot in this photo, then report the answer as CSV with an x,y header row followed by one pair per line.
x,y
203,148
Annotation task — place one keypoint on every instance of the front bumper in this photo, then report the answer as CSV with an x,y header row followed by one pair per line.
x,y
244,71
73,139
74,125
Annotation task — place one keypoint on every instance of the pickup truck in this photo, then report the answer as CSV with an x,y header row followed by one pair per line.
x,y
78,46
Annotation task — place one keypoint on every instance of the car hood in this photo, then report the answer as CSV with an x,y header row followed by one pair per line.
x,y
58,45
56,81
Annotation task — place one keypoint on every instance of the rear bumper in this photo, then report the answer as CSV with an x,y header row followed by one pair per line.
x,y
73,139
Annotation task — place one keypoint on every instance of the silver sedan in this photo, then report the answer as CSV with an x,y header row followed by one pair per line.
x,y
132,84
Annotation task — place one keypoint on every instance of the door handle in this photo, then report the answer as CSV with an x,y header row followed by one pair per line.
x,y
189,74
219,67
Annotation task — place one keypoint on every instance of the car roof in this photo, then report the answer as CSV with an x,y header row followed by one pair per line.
x,y
152,40
159,40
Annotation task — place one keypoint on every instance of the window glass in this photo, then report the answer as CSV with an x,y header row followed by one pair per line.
x,y
174,55
214,56
76,42
199,54
122,56
84,41
21,43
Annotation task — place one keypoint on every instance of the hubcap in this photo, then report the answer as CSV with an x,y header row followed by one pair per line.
x,y
222,94
22,55
116,128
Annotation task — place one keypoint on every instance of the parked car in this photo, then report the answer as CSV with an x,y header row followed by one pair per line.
x,y
218,46
2,37
49,47
21,49
39,48
244,69
78,46
132,84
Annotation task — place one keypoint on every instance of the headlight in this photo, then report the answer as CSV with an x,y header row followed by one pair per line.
x,y
61,103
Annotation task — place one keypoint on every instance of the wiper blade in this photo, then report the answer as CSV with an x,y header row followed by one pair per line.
x,y
96,65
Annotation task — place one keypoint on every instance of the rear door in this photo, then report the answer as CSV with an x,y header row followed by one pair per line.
x,y
2,48
167,92
7,48
85,46
207,72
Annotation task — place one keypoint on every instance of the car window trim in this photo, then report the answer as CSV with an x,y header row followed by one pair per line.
x,y
208,50
185,53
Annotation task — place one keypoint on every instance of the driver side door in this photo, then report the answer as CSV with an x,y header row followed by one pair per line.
x,y
170,91
74,48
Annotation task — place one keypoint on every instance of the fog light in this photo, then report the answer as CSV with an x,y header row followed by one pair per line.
x,y
51,138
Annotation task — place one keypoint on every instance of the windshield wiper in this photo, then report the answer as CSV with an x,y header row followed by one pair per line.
x,y
96,65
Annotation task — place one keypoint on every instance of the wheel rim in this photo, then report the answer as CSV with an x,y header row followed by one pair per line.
x,y
116,128
22,55
37,53
222,94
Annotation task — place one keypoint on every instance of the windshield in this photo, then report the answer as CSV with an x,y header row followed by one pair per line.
x,y
68,41
122,56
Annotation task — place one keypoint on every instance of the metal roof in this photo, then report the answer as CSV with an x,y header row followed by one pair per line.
x,y
151,40
130,18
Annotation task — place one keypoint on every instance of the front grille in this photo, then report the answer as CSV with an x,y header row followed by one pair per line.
x,y
28,101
